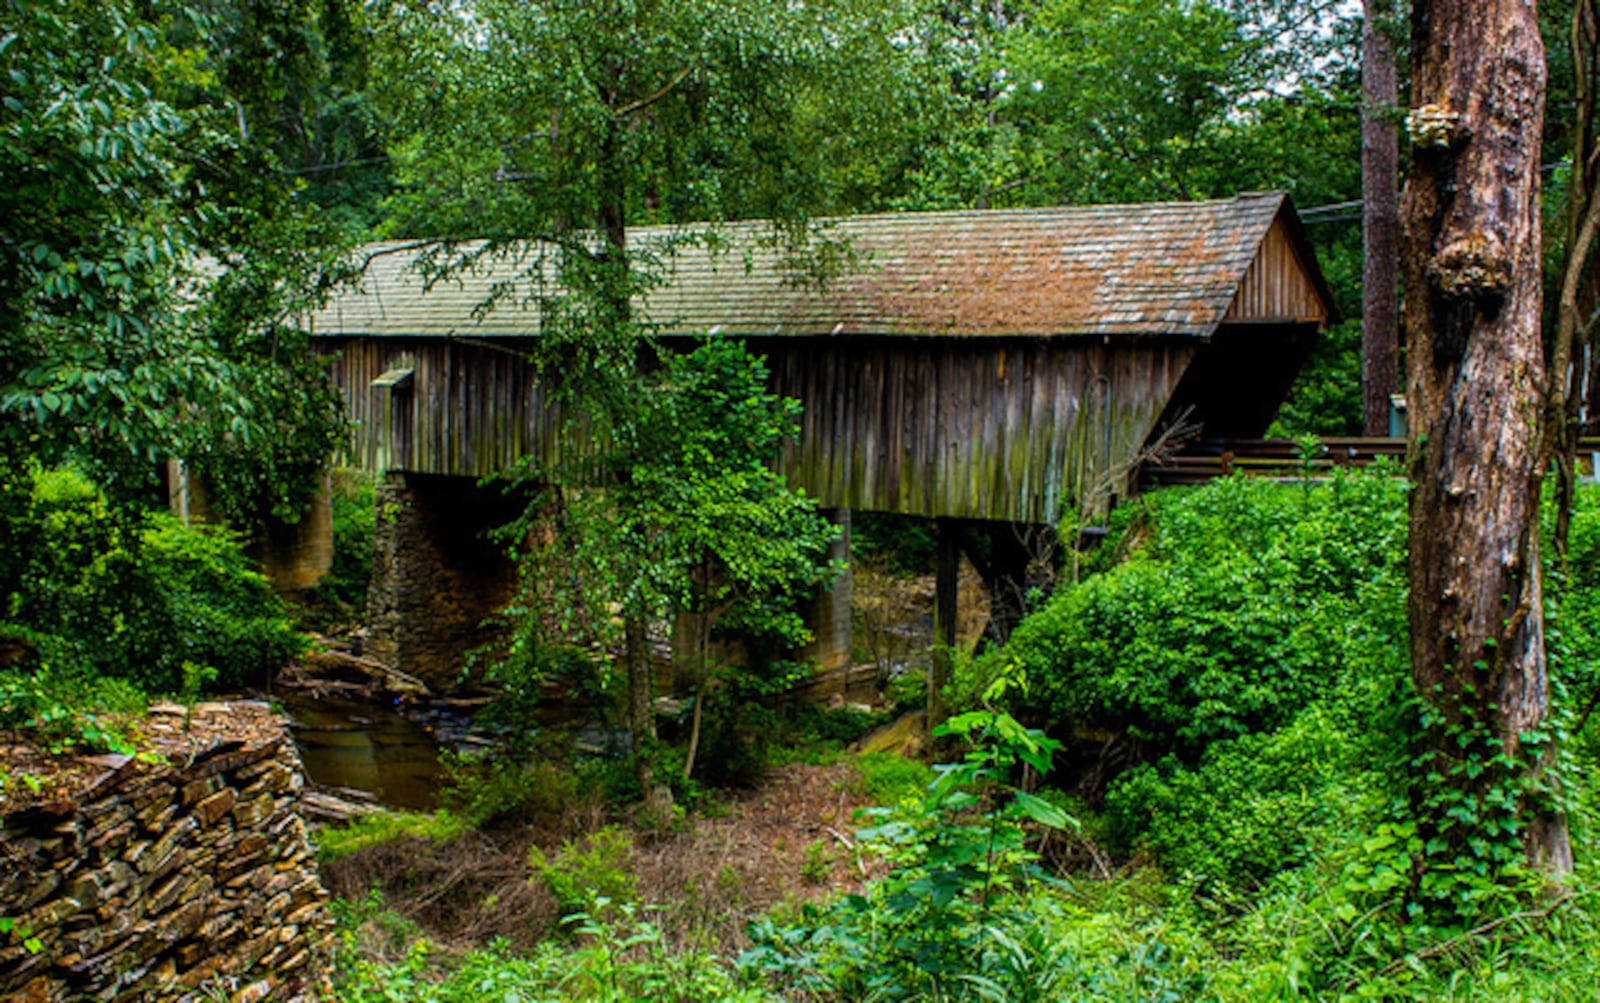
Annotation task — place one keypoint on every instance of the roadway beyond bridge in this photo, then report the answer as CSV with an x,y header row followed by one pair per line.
x,y
986,370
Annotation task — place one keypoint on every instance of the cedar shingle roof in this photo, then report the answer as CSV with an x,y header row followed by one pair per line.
x,y
1161,268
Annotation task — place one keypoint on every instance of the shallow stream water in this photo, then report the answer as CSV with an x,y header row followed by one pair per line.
x,y
368,747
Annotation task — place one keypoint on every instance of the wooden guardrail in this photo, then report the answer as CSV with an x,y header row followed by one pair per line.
x,y
1207,459
1211,458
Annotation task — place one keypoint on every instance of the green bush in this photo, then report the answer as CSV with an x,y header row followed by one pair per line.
x,y
68,713
889,778
486,792
142,597
1572,599
1255,805
592,876
221,613
1247,601
1251,650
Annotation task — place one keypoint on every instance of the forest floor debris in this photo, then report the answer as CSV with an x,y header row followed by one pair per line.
x,y
785,840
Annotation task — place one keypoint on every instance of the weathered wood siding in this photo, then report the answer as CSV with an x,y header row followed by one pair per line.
x,y
1278,286
969,428
468,410
1001,429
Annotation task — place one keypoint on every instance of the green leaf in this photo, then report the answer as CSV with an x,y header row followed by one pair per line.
x,y
1043,812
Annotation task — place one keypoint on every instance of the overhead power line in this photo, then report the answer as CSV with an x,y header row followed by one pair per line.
x,y
1348,211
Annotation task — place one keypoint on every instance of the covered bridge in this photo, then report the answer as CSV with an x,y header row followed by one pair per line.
x,y
973,365
985,366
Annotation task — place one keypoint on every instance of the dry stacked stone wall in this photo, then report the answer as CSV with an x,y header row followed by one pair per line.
x,y
184,873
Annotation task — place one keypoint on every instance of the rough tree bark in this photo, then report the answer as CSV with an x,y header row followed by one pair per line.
x,y
642,719
1380,220
1470,262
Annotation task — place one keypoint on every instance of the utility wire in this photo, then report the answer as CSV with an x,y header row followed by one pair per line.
x,y
1350,211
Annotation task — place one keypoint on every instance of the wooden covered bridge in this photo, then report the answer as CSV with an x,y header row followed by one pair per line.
x,y
982,368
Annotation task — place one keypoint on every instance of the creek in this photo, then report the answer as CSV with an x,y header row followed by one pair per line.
x,y
372,747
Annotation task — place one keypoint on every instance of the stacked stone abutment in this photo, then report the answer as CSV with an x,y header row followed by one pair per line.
x,y
182,874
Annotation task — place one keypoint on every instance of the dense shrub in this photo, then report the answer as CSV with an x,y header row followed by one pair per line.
x,y
1572,601
1255,805
592,875
486,792
140,596
1250,646
1247,601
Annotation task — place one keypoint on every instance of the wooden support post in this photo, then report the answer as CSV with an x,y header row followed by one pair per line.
x,y
1005,566
944,617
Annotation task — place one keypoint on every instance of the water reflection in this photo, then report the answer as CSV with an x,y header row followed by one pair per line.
x,y
369,747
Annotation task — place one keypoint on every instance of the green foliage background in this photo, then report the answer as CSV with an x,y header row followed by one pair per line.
x,y
142,598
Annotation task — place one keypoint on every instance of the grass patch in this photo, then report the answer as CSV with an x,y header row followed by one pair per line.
x,y
889,778
385,827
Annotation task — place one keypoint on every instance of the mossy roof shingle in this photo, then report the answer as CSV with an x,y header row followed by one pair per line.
x,y
1151,269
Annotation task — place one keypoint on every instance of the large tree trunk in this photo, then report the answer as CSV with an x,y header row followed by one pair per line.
x,y
1471,269
1380,220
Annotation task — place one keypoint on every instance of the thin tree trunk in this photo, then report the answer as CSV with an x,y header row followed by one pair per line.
x,y
616,325
1580,284
694,731
945,599
1476,377
642,720
701,627
1380,220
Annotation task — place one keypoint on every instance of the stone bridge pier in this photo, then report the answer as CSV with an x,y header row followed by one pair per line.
x,y
437,577
436,574
828,615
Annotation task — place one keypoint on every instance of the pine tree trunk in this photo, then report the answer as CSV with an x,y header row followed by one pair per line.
x,y
1380,221
1470,260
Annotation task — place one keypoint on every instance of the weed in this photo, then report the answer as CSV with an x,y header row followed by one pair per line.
x,y
592,875
818,865
888,778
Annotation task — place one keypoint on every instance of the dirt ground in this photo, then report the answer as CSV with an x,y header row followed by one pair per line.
x,y
788,840
34,775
